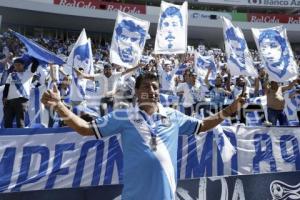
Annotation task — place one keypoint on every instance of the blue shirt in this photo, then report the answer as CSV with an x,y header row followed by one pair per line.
x,y
148,174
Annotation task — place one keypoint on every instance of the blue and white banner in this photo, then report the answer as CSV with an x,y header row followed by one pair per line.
x,y
239,59
81,56
38,159
171,35
205,61
276,53
129,38
37,51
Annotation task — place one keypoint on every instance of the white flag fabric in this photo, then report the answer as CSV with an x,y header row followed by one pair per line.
x,y
171,36
239,59
276,53
224,146
129,38
80,57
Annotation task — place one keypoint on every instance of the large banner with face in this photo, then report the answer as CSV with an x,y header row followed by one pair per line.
x,y
81,58
276,53
128,40
171,35
38,159
239,59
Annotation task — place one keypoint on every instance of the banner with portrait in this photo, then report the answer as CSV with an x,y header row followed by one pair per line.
x,y
129,38
239,59
171,35
276,53
81,58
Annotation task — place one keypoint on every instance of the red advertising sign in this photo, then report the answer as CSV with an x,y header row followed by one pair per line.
x,y
98,4
273,18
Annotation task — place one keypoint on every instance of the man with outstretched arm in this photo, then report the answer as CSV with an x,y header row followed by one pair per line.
x,y
149,135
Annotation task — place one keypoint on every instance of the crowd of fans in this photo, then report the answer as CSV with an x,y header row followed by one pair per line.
x,y
192,90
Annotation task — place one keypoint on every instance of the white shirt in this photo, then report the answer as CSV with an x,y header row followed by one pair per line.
x,y
167,78
25,79
107,84
191,95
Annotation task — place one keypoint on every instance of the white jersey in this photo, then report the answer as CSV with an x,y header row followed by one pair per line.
x,y
20,84
107,84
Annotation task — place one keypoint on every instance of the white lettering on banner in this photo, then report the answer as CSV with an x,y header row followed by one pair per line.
x,y
79,4
123,8
293,20
264,19
84,161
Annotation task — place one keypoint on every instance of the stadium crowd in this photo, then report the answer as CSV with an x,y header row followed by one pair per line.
x,y
195,91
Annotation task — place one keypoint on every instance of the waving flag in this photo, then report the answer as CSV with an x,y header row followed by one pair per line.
x,y
239,60
206,62
203,63
171,36
37,51
276,53
80,57
128,40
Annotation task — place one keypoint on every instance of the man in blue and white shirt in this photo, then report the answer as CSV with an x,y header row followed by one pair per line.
x,y
17,92
149,135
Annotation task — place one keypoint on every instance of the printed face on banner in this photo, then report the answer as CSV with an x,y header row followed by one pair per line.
x,y
130,39
238,46
82,56
170,22
275,51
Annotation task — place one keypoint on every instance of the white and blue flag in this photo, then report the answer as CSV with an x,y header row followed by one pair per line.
x,y
37,51
276,53
129,38
203,63
225,148
80,57
239,60
171,36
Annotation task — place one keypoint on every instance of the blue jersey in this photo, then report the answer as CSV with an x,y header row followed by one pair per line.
x,y
148,174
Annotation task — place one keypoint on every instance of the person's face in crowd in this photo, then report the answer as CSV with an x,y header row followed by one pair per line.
x,y
271,50
186,75
107,71
262,73
219,81
126,48
192,79
274,85
148,92
167,67
223,70
241,81
66,82
19,67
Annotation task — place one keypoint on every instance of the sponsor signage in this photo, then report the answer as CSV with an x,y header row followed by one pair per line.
x,y
208,15
261,3
109,6
273,18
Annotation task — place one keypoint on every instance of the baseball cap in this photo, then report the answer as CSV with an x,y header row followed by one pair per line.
x,y
19,60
